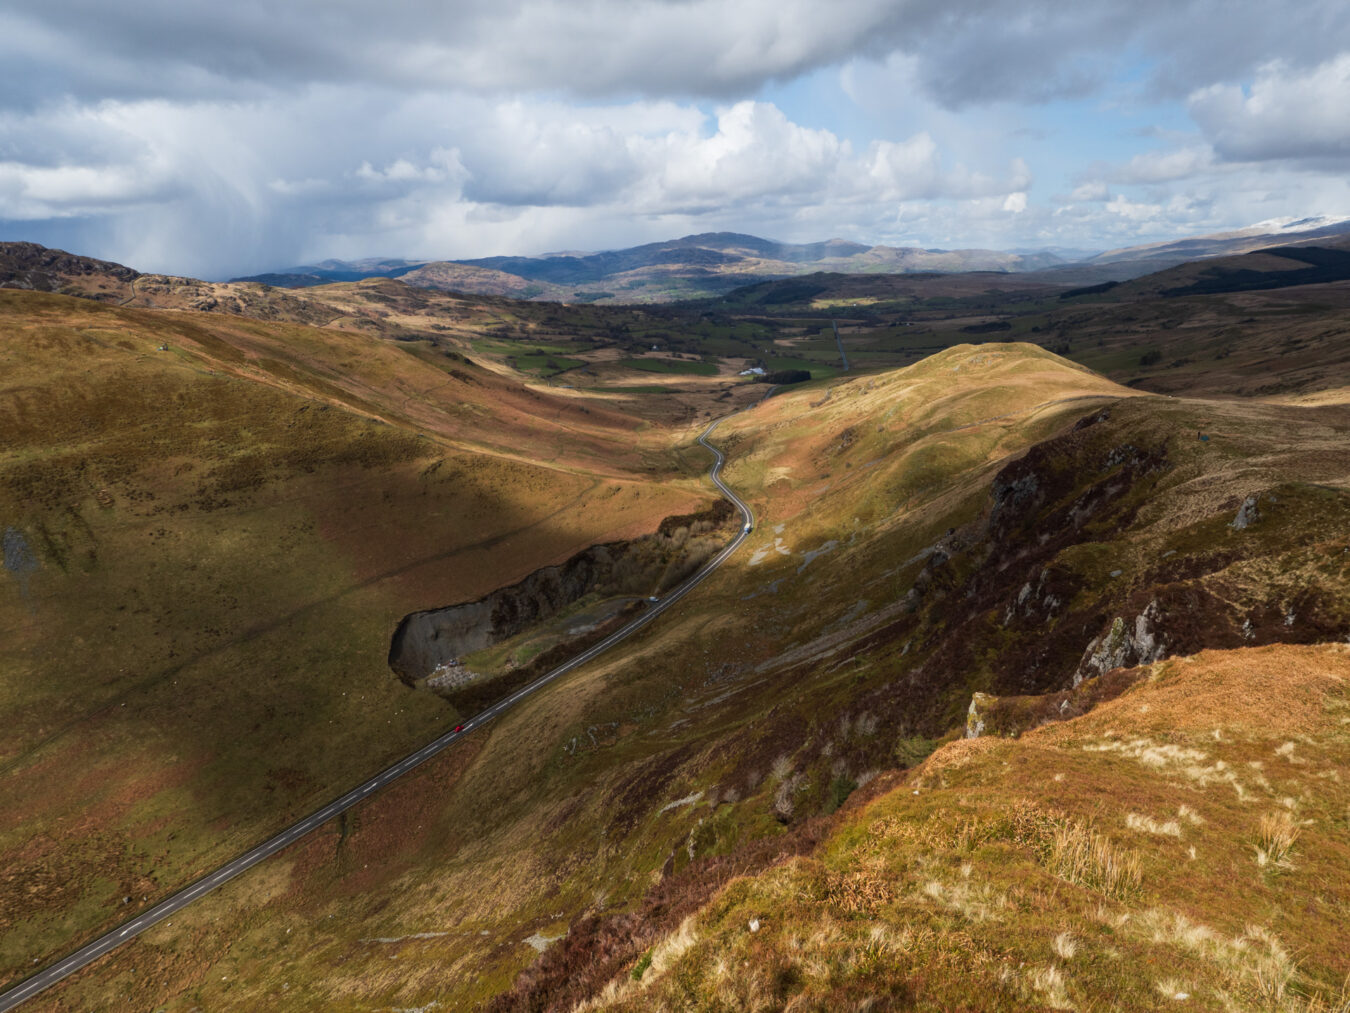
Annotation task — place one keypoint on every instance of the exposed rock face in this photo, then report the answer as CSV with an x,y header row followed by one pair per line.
x,y
975,722
1014,494
1123,645
426,641
1078,569
1012,716
431,643
1247,515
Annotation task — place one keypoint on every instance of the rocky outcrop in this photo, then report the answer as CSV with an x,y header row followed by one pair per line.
x,y
433,642
39,269
437,638
1123,645
1247,515
1012,716
1094,556
975,717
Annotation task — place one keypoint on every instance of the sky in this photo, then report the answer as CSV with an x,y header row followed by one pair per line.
x,y
217,139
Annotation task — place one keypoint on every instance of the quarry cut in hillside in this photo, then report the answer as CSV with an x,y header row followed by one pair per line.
x,y
433,641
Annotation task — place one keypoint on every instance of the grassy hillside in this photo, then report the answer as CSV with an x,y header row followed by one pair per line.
x,y
995,519
1184,844
1251,325
211,528
1242,326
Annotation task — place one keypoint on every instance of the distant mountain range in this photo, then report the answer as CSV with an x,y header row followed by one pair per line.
x,y
713,263
702,265
1262,235
694,267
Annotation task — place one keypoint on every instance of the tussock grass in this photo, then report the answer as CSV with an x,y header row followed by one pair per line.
x,y
1052,986
1188,814
976,902
1065,946
1253,970
1276,835
1082,856
1148,825
1171,988
1338,1002
674,946
1184,761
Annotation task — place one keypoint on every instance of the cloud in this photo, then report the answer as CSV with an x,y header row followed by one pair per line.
x,y
756,154
273,183
1299,119
443,166
594,48
1164,166
218,138
967,50
35,192
1285,114
1093,190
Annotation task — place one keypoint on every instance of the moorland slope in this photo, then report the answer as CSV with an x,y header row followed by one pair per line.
x,y
995,520
211,527
1183,844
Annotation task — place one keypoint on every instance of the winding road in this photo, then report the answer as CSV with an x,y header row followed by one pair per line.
x,y
843,357
129,930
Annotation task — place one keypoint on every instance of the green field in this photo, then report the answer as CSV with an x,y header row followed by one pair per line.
x,y
673,366
545,365
819,370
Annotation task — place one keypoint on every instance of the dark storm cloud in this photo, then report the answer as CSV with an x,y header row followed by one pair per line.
x,y
974,51
967,50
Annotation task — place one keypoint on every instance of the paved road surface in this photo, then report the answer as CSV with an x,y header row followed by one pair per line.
x,y
840,342
129,930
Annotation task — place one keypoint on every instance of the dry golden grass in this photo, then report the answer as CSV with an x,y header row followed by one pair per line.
x,y
1065,946
1277,833
1085,858
226,533
527,835
1149,825
966,920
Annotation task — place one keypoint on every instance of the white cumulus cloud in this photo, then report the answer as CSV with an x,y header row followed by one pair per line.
x,y
446,179
1284,114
